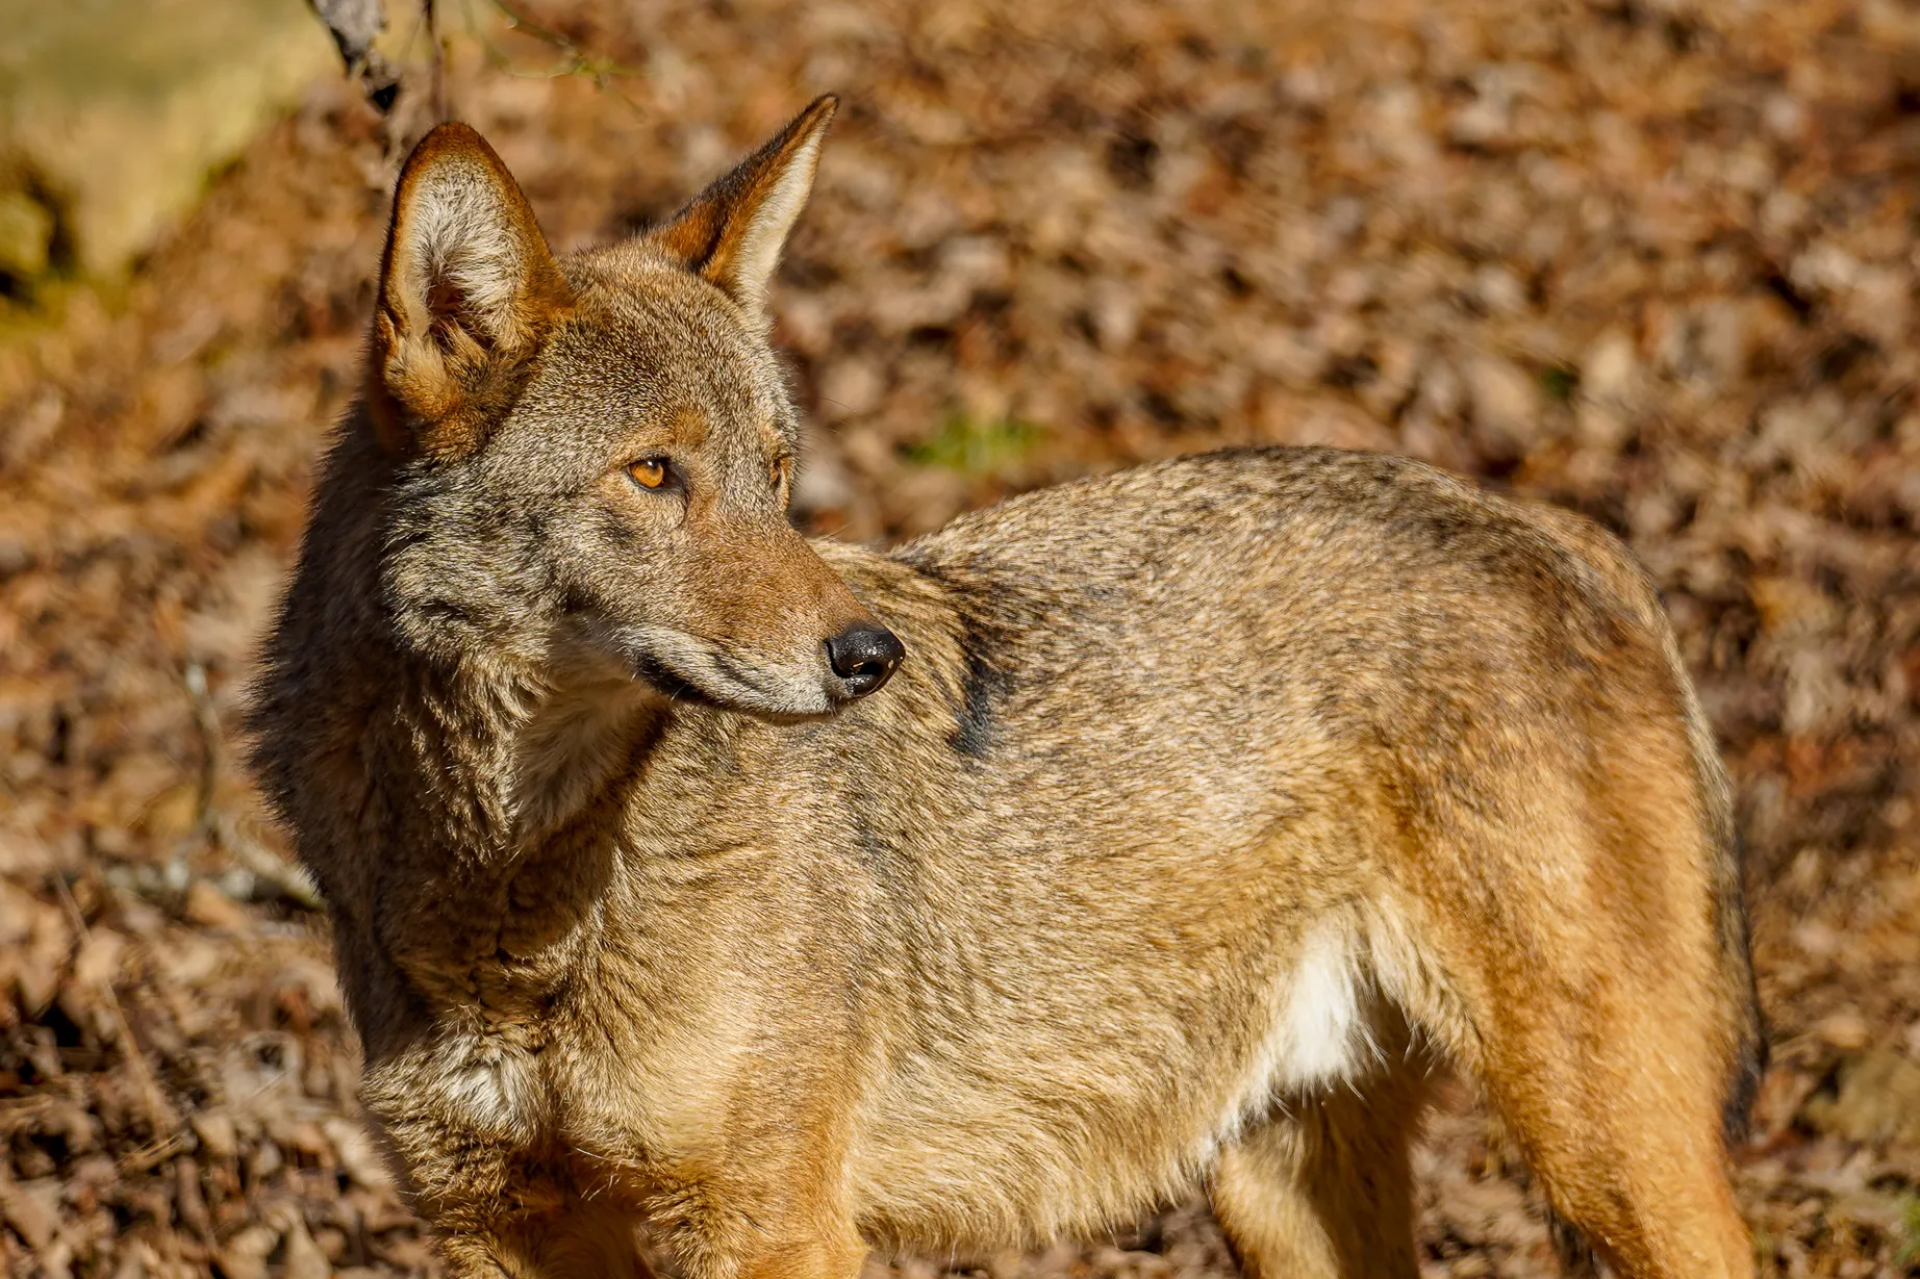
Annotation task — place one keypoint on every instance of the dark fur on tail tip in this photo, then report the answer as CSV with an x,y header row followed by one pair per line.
x,y
1736,1112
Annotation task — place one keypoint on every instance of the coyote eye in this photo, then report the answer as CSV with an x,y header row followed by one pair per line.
x,y
648,472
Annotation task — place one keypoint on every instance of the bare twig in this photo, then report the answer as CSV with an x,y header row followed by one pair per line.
x,y
216,829
576,60
439,61
267,866
159,1112
177,872
154,1153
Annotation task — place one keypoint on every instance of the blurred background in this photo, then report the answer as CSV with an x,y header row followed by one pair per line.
x,y
1654,259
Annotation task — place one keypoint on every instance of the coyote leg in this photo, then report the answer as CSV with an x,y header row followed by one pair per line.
x,y
1631,1153
1608,1039
580,1244
840,1257
1324,1190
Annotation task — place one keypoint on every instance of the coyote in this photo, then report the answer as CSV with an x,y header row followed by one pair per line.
x,y
784,899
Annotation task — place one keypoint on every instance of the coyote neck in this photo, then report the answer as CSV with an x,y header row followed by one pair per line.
x,y
494,813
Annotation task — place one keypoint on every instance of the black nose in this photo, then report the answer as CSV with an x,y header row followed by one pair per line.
x,y
863,658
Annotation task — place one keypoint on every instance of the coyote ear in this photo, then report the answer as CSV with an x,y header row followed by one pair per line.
x,y
468,288
733,231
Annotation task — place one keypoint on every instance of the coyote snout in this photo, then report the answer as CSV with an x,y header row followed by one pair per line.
x,y
846,667
755,622
862,658
1060,924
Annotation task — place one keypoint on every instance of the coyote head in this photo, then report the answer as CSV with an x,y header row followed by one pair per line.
x,y
591,457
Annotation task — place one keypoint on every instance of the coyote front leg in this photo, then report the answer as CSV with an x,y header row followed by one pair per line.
x,y
838,1257
752,1238
584,1241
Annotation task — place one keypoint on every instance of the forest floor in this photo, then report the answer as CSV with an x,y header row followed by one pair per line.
x,y
1652,259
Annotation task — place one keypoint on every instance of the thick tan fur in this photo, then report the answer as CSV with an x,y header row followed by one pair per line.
x,y
1214,804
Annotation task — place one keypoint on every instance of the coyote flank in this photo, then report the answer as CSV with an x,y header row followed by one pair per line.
x,y
1206,809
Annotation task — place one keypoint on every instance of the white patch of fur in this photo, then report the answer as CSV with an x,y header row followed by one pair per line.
x,y
572,741
1318,1038
745,680
494,1089
1320,1027
766,233
468,1077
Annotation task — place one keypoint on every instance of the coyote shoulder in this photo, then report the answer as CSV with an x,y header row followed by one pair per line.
x,y
790,899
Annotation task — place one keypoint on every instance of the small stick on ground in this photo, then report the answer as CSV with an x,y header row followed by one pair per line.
x,y
165,1121
215,828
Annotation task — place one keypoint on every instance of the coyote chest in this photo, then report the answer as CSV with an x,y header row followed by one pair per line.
x,y
647,1118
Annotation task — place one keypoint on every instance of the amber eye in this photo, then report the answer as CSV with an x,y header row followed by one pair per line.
x,y
648,472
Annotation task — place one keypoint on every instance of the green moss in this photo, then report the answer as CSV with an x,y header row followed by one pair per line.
x,y
976,448
1560,382
1909,1232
